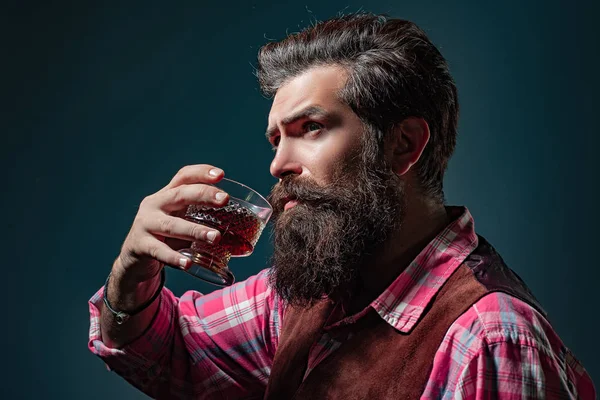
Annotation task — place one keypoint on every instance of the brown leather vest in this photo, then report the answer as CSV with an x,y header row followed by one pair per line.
x,y
379,362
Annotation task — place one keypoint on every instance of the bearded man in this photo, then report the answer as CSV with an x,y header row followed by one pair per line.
x,y
377,289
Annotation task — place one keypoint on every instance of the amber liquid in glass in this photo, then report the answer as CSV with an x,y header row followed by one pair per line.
x,y
240,228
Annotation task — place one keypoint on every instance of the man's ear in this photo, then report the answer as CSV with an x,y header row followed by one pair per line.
x,y
407,142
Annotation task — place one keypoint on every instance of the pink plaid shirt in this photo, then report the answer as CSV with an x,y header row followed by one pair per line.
x,y
221,345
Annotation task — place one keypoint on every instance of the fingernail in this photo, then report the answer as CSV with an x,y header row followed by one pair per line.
x,y
220,196
183,262
211,235
215,172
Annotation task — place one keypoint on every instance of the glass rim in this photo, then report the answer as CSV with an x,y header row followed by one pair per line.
x,y
246,187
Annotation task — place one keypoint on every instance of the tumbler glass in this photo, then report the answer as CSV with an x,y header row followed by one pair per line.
x,y
240,222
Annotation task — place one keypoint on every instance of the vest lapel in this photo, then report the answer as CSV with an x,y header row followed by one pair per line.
x,y
301,330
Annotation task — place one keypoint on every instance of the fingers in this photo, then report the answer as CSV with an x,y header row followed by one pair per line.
x,y
180,197
154,229
177,244
163,253
177,228
190,174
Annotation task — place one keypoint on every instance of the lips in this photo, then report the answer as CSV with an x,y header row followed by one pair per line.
x,y
289,204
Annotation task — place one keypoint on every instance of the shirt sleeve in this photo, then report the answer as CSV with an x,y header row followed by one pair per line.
x,y
219,345
508,370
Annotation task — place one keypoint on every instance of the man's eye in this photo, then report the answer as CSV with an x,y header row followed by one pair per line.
x,y
275,143
312,126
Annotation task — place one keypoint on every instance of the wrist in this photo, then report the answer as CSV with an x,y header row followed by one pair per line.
x,y
133,275
128,304
125,292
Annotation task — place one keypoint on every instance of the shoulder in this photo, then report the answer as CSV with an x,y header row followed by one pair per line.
x,y
499,317
503,343
496,318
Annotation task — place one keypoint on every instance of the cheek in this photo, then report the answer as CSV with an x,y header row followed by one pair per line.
x,y
328,156
325,160
340,156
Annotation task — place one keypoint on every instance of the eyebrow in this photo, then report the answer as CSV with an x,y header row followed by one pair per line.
x,y
311,111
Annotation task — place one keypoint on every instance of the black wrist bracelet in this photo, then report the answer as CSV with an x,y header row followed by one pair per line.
x,y
122,316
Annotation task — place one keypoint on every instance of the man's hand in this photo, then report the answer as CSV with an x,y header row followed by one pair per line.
x,y
155,233
146,247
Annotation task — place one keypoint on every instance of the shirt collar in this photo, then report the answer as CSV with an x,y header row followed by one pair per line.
x,y
404,301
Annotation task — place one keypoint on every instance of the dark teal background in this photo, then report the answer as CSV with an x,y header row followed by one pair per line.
x,y
101,105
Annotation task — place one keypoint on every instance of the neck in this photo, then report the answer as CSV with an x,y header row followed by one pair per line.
x,y
423,221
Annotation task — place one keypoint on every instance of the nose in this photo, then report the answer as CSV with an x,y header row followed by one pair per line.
x,y
284,163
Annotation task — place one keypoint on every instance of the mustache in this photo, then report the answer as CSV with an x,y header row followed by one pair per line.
x,y
304,190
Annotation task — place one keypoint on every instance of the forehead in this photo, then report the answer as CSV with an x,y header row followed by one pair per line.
x,y
318,86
